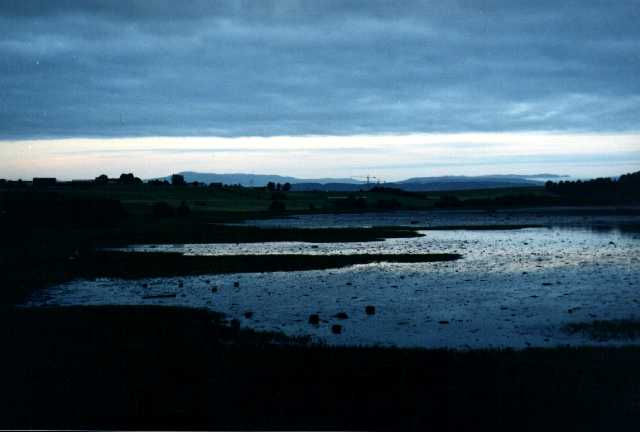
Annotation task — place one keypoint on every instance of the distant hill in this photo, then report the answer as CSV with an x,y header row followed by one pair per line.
x,y
503,178
539,176
253,179
442,183
445,183
472,182
624,189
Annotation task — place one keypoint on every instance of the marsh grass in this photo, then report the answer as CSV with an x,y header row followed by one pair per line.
x,y
492,227
142,367
131,265
37,255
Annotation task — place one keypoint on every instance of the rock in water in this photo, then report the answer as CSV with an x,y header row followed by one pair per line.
x,y
336,329
314,319
370,310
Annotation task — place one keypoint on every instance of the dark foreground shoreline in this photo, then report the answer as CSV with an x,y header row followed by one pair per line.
x,y
171,368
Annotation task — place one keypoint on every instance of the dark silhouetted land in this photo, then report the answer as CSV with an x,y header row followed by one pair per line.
x,y
146,264
170,368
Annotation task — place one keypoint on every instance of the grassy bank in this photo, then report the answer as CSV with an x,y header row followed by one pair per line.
x,y
194,231
167,368
159,264
138,198
36,256
492,227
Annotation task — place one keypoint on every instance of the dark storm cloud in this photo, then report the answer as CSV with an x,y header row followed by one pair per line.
x,y
136,68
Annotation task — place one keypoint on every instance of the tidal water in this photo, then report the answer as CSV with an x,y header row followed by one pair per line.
x,y
593,217
512,288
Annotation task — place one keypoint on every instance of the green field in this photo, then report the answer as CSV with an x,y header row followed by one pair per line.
x,y
231,199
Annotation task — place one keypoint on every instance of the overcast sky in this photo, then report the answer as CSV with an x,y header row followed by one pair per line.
x,y
327,76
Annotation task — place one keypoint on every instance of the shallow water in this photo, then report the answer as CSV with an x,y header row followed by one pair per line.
x,y
512,288
564,216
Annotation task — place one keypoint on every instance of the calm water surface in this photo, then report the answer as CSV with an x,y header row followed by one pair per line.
x,y
512,288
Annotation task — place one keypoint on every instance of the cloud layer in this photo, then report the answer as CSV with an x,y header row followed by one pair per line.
x,y
272,68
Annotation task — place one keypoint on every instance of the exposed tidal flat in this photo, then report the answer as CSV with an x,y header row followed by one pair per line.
x,y
521,278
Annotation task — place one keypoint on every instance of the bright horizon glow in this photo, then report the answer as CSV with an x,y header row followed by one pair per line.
x,y
389,157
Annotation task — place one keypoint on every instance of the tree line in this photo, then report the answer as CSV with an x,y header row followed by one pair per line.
x,y
604,190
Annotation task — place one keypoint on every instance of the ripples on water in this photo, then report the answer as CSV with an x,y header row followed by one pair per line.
x,y
511,288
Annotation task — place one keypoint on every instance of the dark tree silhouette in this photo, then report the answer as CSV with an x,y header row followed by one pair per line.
x,y
129,179
605,190
177,180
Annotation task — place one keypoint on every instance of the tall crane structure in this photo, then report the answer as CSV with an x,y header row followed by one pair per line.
x,y
368,177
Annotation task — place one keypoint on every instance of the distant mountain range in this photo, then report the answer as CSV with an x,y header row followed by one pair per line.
x,y
349,184
257,180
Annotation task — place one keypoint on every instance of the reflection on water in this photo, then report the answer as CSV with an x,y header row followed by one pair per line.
x,y
511,288
568,243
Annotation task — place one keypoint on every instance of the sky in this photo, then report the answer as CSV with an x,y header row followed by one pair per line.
x,y
319,88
